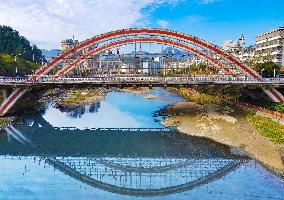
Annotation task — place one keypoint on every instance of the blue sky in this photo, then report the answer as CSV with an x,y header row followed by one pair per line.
x,y
47,22
223,19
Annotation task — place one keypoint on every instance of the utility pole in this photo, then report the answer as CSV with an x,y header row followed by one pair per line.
x,y
16,63
134,65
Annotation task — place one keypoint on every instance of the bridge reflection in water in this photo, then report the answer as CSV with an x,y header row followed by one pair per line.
x,y
137,163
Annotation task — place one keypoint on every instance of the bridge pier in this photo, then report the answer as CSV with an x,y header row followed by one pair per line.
x,y
274,95
28,95
10,100
6,93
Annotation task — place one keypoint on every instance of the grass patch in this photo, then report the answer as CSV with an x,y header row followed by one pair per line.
x,y
2,123
200,98
268,127
78,96
278,107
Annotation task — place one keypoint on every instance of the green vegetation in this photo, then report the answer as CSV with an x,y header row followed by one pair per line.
x,y
200,98
76,97
278,107
229,91
202,68
2,123
16,51
265,126
266,69
12,43
194,69
268,127
8,66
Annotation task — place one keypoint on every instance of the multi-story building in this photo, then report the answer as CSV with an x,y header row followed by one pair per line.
x,y
239,50
231,45
68,44
270,45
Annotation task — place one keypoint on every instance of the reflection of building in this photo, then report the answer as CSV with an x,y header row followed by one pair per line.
x,y
94,108
79,111
271,44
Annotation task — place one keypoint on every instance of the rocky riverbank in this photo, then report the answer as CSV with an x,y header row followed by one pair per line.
x,y
227,125
138,90
73,98
5,121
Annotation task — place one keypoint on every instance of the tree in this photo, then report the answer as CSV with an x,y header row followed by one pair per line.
x,y
266,69
203,69
12,43
8,66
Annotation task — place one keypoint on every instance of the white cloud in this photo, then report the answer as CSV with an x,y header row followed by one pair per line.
x,y
207,1
47,22
163,23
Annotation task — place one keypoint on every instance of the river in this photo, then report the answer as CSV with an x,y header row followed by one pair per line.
x,y
118,149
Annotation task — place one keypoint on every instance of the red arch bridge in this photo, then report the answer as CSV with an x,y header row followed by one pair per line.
x,y
60,70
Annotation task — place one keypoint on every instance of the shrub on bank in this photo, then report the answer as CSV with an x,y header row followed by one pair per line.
x,y
200,98
278,107
268,127
264,125
2,123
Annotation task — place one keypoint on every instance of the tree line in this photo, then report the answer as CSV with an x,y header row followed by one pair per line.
x,y
16,52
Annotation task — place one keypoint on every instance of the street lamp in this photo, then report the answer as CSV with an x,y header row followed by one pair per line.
x,y
261,71
16,63
274,73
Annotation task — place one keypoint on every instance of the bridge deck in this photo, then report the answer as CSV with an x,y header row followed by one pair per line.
x,y
143,81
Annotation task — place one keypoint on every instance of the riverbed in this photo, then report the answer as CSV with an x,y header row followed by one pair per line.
x,y
118,148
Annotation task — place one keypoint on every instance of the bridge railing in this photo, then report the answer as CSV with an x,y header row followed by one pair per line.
x,y
142,79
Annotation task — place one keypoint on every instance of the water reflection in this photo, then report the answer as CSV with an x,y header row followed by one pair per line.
x,y
118,110
155,163
81,110
38,159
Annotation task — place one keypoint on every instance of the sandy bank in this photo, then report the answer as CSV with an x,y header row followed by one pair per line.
x,y
227,126
75,98
139,90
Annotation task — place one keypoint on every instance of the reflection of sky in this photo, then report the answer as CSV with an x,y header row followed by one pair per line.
x,y
27,178
118,110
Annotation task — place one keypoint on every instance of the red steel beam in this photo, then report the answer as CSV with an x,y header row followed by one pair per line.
x,y
158,32
64,70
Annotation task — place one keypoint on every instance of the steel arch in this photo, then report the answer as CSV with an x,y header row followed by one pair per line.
x,y
64,70
150,32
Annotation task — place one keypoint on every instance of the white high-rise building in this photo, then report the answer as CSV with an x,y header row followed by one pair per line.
x,y
231,45
239,50
271,44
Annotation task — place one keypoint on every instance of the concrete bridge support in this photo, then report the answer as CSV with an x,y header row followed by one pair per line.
x,y
274,95
6,93
10,101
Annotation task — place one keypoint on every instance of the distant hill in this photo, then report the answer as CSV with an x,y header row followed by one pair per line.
x,y
17,55
12,43
49,54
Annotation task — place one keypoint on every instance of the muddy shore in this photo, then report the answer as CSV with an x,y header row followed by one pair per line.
x,y
225,125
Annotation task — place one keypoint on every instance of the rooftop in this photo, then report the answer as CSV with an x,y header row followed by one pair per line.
x,y
272,31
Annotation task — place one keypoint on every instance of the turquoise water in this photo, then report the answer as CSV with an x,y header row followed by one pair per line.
x,y
62,155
